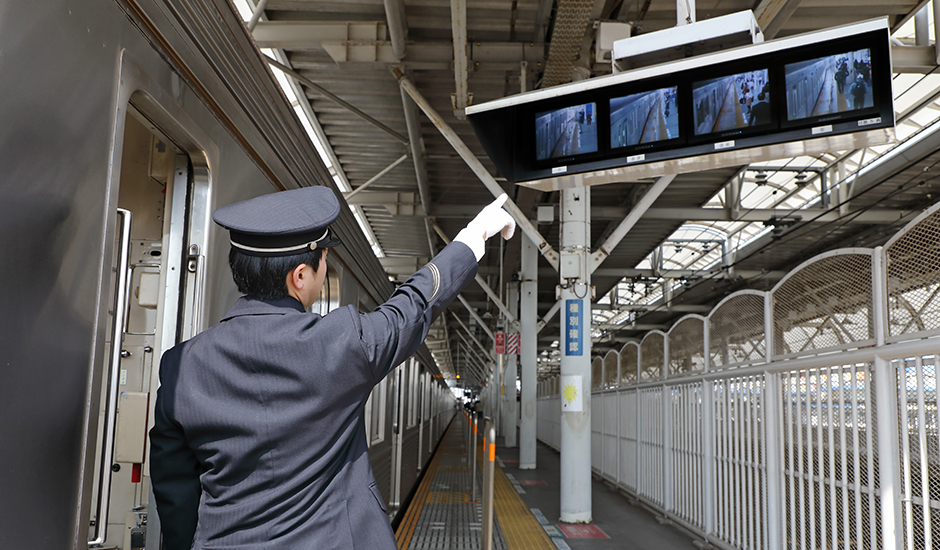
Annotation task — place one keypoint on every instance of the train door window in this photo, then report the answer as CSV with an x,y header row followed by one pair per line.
x,y
375,412
154,190
427,396
411,387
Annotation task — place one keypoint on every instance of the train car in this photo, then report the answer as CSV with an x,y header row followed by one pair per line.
x,y
126,122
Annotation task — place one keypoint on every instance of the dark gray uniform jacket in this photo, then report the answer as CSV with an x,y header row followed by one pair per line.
x,y
259,439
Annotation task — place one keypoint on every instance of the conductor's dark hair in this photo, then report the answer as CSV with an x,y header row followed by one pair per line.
x,y
265,278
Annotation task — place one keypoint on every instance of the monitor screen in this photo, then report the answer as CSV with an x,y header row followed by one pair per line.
x,y
828,85
566,132
646,117
731,102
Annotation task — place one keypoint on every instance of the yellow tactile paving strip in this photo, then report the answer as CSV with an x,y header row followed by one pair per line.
x,y
520,528
406,528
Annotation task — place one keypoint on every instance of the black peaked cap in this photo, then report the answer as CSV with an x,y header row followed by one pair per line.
x,y
282,224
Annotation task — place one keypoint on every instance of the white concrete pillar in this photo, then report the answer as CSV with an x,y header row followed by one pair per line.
x,y
575,383
528,353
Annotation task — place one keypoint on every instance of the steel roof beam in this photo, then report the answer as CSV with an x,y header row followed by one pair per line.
x,y
322,91
470,334
474,314
816,215
376,177
771,15
418,151
486,288
647,200
477,167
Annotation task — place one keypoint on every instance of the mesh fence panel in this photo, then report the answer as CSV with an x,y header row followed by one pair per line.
x,y
830,485
736,331
651,356
920,456
628,363
739,467
825,305
610,369
650,479
687,453
913,279
687,346
597,369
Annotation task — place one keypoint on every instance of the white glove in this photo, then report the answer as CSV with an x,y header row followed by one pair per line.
x,y
490,221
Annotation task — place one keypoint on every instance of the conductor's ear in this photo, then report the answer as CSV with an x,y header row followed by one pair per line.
x,y
296,279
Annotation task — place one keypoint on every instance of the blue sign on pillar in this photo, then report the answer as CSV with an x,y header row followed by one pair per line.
x,y
574,327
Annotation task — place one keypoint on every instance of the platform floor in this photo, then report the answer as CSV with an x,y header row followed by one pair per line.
x,y
445,515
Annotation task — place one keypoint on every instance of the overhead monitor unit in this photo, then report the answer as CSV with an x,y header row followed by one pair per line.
x,y
806,94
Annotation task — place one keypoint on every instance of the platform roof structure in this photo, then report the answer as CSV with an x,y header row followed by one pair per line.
x,y
672,262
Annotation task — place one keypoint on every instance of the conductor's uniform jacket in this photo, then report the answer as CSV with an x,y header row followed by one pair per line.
x,y
259,440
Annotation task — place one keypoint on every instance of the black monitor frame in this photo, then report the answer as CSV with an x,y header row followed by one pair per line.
x,y
729,70
634,88
881,87
563,103
508,133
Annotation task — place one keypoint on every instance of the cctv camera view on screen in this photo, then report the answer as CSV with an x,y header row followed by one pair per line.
x,y
566,132
826,85
644,118
731,102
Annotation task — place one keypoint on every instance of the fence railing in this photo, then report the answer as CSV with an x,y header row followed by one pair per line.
x,y
803,417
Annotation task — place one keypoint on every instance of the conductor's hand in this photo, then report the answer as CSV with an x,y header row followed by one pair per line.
x,y
490,221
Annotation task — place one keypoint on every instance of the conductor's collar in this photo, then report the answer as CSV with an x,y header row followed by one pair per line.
x,y
253,306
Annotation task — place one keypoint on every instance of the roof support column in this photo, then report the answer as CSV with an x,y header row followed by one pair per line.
x,y
397,26
476,166
458,19
576,356
733,196
922,27
510,412
528,353
936,29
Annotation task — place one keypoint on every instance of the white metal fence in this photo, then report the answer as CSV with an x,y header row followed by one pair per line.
x,y
804,417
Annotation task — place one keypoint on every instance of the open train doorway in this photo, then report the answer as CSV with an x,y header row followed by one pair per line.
x,y
154,302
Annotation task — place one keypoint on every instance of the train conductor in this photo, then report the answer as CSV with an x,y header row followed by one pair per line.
x,y
259,439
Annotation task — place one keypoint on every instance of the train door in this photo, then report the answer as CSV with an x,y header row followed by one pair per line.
x,y
156,275
396,398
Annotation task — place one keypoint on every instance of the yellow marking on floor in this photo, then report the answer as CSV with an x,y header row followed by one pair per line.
x,y
448,498
520,528
406,528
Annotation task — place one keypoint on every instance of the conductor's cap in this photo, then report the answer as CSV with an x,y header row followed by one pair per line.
x,y
282,224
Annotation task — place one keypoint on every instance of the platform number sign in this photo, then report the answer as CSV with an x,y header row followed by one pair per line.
x,y
574,327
